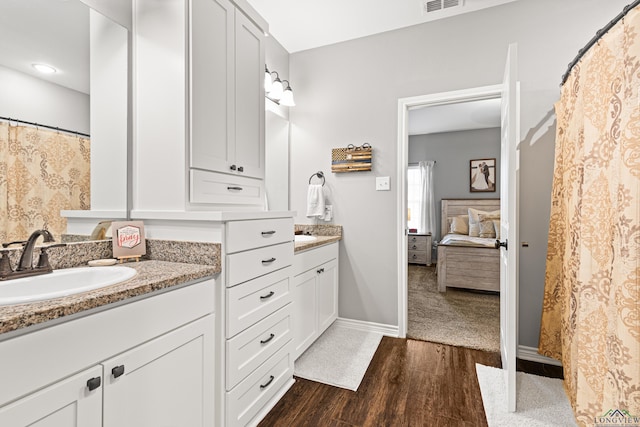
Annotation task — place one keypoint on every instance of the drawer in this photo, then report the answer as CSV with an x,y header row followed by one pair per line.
x,y
252,301
419,245
243,235
418,257
219,188
243,266
248,398
414,238
249,349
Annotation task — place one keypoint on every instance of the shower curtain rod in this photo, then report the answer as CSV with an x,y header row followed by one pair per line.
x,y
597,37
9,119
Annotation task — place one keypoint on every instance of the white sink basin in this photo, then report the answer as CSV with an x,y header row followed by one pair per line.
x,y
302,238
61,283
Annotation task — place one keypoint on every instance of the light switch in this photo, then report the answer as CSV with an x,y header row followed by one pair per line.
x,y
382,183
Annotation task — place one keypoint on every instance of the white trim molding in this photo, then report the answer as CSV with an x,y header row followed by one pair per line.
x,y
531,354
361,325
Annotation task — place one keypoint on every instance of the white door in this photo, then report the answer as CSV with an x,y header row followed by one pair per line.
x,y
509,160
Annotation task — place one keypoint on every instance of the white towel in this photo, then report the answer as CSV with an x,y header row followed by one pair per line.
x,y
315,201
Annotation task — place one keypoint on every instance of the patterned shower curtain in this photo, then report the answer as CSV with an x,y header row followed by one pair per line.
x,y
591,313
41,173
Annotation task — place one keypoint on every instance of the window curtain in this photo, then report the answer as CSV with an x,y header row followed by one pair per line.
x,y
428,214
41,173
591,311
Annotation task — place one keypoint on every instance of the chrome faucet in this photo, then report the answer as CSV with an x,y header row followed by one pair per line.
x,y
26,260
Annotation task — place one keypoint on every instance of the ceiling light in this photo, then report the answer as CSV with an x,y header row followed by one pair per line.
x,y
45,69
287,96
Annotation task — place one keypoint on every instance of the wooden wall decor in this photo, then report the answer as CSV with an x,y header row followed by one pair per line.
x,y
351,158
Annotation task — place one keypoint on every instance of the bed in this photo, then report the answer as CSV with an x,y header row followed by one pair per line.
x,y
465,261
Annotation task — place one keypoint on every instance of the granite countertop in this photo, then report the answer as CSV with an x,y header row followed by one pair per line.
x,y
320,241
152,276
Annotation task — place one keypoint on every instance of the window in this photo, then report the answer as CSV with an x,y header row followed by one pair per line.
x,y
414,197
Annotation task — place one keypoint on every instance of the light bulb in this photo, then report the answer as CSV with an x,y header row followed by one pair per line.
x,y
276,89
287,97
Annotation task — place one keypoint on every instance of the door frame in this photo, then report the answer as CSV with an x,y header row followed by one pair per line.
x,y
402,154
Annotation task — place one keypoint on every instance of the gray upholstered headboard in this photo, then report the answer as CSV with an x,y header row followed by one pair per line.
x,y
455,207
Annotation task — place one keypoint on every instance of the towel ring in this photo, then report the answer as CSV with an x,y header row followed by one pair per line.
x,y
320,175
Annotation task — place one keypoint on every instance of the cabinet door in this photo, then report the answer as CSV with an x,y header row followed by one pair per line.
x,y
327,295
166,382
305,309
212,85
66,403
249,98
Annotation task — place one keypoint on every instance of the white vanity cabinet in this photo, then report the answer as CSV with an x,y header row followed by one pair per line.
x,y
258,331
150,365
315,294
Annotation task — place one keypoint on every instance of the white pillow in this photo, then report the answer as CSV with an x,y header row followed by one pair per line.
x,y
474,220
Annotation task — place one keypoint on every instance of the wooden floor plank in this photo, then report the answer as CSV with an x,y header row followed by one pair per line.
x,y
408,383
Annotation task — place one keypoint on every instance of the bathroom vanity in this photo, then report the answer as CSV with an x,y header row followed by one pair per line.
x,y
119,356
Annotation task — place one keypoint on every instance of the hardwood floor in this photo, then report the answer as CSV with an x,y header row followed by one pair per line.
x,y
408,383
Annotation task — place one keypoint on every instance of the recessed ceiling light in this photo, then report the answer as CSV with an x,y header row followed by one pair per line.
x,y
43,68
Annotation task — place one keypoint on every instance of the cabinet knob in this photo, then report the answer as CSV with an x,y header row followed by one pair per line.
x,y
320,270
268,261
265,385
414,246
240,168
232,167
117,371
271,336
94,383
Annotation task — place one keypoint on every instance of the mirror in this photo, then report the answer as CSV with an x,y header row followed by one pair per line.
x,y
277,161
88,93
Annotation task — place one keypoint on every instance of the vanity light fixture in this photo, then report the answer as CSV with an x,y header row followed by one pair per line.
x,y
44,68
275,89
287,96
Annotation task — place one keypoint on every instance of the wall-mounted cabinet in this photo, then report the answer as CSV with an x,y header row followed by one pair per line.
x,y
227,100
199,104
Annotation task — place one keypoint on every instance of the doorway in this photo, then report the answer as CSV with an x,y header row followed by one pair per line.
x,y
404,106
442,139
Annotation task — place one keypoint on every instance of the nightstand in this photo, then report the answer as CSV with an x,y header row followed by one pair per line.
x,y
420,248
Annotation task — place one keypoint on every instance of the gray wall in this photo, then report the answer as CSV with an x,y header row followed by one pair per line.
x,y
341,100
452,152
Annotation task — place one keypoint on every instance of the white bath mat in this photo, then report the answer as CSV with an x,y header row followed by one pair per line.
x,y
340,357
541,401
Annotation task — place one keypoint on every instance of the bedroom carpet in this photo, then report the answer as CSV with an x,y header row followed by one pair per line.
x,y
541,401
456,317
339,357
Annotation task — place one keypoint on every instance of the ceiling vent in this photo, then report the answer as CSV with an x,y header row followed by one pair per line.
x,y
429,6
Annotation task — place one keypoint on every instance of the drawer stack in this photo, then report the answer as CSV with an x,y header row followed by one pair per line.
x,y
419,249
259,360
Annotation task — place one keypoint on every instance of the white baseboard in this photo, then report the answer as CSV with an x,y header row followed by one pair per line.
x,y
361,325
531,354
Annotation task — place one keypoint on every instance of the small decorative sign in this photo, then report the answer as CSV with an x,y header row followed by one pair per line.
x,y
351,158
128,240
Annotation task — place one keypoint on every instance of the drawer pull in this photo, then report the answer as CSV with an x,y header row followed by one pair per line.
x,y
234,188
117,371
94,383
271,336
414,247
269,295
320,270
267,233
265,385
268,261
